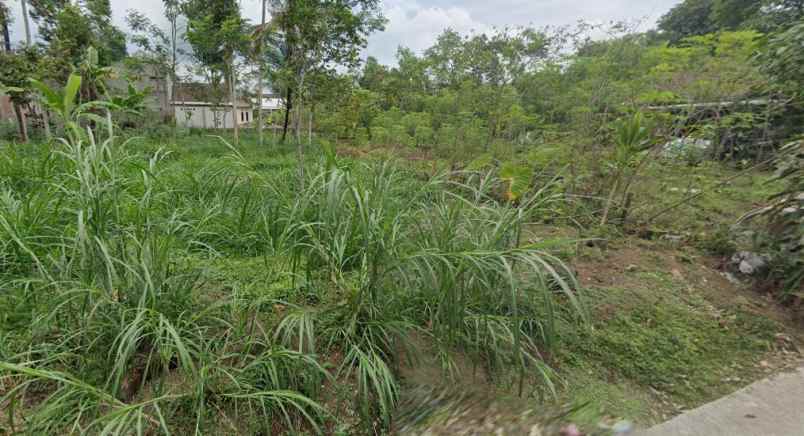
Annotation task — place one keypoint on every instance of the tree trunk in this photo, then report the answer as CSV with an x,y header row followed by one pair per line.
x,y
173,60
6,36
299,146
233,96
299,116
609,201
21,123
46,122
288,108
25,21
310,127
260,78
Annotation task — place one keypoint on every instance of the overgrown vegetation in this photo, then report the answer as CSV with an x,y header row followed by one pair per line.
x,y
500,208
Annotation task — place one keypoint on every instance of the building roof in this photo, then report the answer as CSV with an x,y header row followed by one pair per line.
x,y
271,103
194,93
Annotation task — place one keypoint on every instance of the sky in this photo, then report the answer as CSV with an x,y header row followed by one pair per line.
x,y
416,23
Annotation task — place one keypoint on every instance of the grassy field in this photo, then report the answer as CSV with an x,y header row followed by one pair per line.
x,y
198,287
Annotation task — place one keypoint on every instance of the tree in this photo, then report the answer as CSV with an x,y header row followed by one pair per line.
x,y
321,35
260,55
72,28
26,22
734,14
217,34
783,59
16,68
778,15
689,18
447,59
158,49
45,13
5,20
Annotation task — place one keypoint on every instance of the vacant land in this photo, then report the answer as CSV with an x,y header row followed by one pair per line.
x,y
200,285
254,218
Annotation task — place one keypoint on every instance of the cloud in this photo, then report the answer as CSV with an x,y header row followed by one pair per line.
x,y
417,28
417,23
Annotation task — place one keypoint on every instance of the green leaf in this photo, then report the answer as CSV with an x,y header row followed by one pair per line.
x,y
52,97
70,92
8,89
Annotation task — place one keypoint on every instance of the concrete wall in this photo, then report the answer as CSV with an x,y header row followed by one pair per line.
x,y
207,117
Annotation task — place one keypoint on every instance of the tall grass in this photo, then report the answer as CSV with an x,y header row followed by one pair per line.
x,y
113,323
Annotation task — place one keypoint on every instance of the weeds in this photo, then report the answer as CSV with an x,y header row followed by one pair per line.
x,y
114,325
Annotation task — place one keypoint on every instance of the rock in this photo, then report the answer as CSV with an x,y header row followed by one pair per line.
x,y
730,277
688,147
622,428
675,239
750,263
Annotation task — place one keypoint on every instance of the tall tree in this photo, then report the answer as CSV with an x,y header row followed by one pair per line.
x,y
157,48
45,13
26,22
217,34
734,14
172,11
260,55
5,20
69,29
16,68
688,18
321,35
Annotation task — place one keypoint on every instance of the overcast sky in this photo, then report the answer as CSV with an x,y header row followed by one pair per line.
x,y
416,23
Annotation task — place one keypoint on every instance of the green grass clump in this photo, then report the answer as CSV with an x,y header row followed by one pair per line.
x,y
208,289
663,339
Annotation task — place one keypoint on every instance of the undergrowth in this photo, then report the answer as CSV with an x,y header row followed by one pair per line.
x,y
121,315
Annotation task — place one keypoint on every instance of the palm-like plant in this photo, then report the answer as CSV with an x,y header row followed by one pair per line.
x,y
631,136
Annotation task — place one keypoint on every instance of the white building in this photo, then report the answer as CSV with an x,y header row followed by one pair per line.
x,y
270,103
205,115
197,105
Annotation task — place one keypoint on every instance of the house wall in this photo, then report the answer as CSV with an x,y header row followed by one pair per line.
x,y
206,117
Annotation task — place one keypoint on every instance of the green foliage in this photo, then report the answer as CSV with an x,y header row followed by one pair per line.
x,y
674,346
359,260
632,136
15,70
689,18
64,103
719,242
782,58
786,218
75,28
700,17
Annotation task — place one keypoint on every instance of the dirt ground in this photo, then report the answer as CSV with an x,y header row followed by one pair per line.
x,y
631,274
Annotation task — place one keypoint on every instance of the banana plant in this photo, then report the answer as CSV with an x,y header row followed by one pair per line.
x,y
133,102
4,90
64,103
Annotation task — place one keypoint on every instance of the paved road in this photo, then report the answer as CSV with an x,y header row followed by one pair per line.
x,y
770,407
